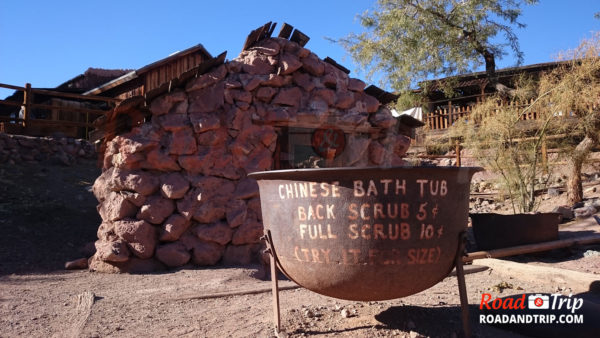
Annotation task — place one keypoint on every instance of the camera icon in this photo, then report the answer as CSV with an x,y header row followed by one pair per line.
x,y
538,301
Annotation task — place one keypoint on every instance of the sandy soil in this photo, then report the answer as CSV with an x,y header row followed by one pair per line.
x,y
47,216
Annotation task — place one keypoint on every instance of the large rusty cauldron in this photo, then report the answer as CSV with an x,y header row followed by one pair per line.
x,y
365,234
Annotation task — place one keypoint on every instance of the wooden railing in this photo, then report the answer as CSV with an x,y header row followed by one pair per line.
x,y
441,119
68,112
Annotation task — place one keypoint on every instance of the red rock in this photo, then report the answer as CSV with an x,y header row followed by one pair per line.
x,y
157,160
81,263
377,153
230,83
139,235
133,197
234,66
174,185
100,187
265,94
106,232
209,79
173,254
353,119
174,227
356,150
254,207
288,97
127,161
112,251
383,119
156,209
312,65
219,233
289,63
251,82
401,145
116,207
266,47
173,122
241,254
241,95
182,142
212,137
164,104
98,265
211,186
368,102
190,202
280,114
329,80
356,85
326,95
138,181
259,159
246,188
209,211
205,122
248,233
274,80
345,100
303,80
236,213
206,100
206,253
256,63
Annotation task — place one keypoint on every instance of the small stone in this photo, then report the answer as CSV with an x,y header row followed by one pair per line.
x,y
81,263
345,313
308,313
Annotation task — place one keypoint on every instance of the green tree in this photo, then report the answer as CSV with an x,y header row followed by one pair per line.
x,y
412,40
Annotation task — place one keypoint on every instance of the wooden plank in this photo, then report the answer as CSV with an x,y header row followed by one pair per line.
x,y
74,96
11,103
39,122
300,38
337,65
7,86
285,31
70,109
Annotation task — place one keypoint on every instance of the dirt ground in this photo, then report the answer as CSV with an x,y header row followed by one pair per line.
x,y
47,215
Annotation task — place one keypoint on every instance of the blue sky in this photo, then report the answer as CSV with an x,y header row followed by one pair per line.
x,y
48,42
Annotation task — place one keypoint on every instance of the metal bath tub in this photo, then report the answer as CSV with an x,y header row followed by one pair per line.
x,y
365,234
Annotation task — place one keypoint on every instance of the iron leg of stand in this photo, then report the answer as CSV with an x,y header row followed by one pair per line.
x,y
462,287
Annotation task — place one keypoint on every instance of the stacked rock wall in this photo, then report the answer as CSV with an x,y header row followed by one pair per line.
x,y
174,190
63,150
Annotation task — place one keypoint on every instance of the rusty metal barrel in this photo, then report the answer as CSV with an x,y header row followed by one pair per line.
x,y
365,234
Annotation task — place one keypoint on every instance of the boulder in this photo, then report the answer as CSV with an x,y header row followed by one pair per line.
x,y
182,142
206,253
173,254
219,233
156,209
139,235
236,212
241,254
174,227
116,207
174,185
112,251
248,233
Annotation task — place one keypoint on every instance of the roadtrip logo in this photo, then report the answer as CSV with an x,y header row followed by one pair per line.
x,y
531,309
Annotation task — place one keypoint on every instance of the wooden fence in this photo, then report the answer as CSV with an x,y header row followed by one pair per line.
x,y
69,113
444,118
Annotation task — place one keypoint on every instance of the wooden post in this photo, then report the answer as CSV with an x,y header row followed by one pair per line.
x,y
26,103
457,150
545,156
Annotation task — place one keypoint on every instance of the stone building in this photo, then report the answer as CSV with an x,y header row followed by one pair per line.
x,y
174,189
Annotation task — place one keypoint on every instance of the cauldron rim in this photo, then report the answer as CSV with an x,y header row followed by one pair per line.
x,y
299,174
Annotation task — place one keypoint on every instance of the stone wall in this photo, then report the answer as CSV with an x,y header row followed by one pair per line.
x,y
174,190
18,149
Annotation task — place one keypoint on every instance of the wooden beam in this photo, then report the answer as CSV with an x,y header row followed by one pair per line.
x,y
75,96
531,248
285,31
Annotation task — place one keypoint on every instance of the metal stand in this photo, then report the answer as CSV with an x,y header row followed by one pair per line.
x,y
274,284
462,287
460,275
